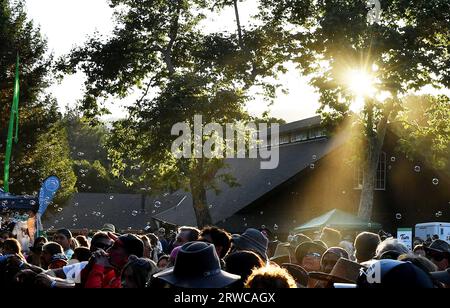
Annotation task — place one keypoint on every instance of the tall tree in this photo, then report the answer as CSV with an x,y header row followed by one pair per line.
x,y
370,63
159,47
38,112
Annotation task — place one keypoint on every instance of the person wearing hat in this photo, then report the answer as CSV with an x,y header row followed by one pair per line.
x,y
104,268
344,271
308,255
330,258
252,240
63,237
439,253
197,266
108,228
394,274
281,254
301,276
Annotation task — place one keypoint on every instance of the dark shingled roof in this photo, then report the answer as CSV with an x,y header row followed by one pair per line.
x,y
298,125
126,211
254,181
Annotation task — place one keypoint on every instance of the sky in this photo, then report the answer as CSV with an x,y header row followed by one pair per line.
x,y
67,23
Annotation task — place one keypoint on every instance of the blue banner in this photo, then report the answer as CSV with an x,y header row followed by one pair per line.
x,y
47,192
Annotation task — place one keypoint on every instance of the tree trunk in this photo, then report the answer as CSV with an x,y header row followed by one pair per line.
x,y
370,169
238,23
200,207
199,201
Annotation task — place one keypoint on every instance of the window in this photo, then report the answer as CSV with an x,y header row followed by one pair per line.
x,y
284,139
380,179
317,133
299,136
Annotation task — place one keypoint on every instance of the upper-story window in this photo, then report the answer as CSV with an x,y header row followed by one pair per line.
x,y
317,133
299,136
380,178
284,139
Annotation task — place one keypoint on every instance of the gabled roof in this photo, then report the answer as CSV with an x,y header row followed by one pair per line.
x,y
254,181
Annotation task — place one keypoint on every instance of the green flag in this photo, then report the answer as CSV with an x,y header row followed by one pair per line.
x,y
13,119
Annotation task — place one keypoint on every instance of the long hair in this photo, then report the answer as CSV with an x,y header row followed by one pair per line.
x,y
142,269
13,246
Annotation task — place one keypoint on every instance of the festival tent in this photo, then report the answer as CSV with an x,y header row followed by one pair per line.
x,y
339,220
12,202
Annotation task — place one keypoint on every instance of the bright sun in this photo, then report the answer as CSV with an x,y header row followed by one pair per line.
x,y
361,84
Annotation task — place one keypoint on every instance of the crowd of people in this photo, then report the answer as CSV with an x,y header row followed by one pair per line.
x,y
213,258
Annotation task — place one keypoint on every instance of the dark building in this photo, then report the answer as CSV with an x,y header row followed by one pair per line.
x,y
315,175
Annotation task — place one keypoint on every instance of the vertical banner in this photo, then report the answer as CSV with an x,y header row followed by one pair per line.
x,y
13,120
46,195
404,235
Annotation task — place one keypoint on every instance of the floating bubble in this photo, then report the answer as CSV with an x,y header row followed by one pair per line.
x,y
275,227
76,204
393,159
246,224
398,216
60,209
157,204
154,211
32,202
417,169
435,182
263,226
439,214
210,206
129,228
111,197
75,219
134,213
262,213
314,157
83,185
80,154
312,166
